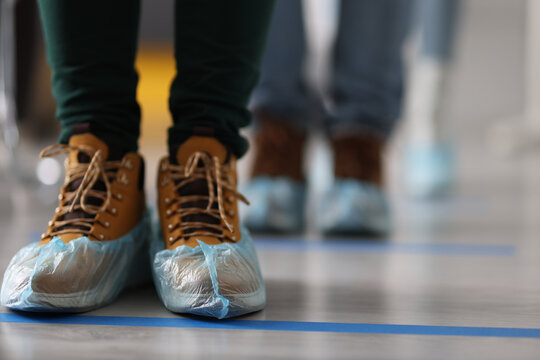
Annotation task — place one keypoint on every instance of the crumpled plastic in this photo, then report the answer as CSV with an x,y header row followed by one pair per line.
x,y
219,281
354,207
278,205
78,276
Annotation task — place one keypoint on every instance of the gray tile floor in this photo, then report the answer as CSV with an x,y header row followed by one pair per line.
x,y
453,272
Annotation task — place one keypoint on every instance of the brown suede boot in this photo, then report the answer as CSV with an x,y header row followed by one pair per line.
x,y
101,199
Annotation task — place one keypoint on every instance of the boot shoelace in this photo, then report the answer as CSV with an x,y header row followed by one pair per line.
x,y
85,198
201,166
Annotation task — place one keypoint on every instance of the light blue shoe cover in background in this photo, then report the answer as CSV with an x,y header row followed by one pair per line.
x,y
89,273
354,208
277,205
429,170
219,281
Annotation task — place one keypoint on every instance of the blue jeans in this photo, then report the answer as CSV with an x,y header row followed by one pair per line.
x,y
366,86
437,20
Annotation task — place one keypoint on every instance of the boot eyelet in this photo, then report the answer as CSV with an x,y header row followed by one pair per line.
x,y
167,200
170,227
165,181
171,239
114,211
119,196
168,212
102,237
230,213
128,164
123,179
230,199
107,224
164,166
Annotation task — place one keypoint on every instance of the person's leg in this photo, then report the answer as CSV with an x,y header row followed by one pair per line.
x,y
218,49
281,116
206,263
367,79
281,90
366,94
437,21
91,48
95,244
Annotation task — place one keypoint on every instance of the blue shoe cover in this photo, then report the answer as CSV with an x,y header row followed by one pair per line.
x,y
429,170
219,281
354,208
277,205
78,276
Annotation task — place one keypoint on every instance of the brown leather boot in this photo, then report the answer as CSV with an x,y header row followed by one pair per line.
x,y
277,184
360,157
279,148
97,235
209,266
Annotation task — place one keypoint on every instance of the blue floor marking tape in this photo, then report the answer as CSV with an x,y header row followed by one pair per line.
x,y
349,328
370,246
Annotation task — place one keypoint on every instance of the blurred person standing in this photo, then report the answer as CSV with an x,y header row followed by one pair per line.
x,y
365,93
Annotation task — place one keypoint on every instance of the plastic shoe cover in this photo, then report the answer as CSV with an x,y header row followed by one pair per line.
x,y
355,208
277,205
220,281
429,170
78,276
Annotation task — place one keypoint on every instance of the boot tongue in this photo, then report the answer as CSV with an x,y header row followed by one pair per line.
x,y
200,187
204,144
90,141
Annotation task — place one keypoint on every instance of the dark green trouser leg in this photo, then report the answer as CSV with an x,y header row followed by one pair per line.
x,y
91,46
218,47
